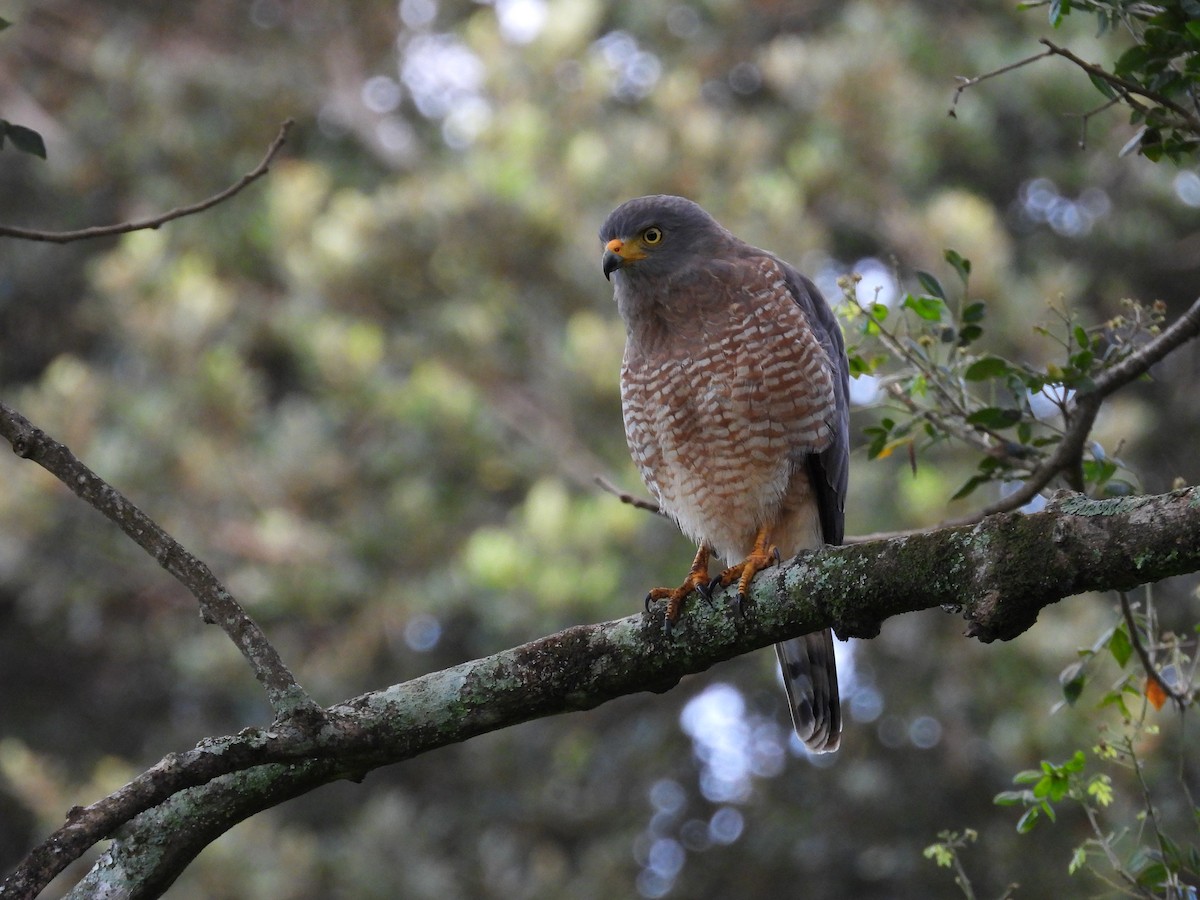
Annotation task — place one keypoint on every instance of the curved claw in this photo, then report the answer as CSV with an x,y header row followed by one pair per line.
x,y
668,627
742,599
776,554
649,597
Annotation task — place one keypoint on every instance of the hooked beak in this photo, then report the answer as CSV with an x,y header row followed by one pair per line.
x,y
618,254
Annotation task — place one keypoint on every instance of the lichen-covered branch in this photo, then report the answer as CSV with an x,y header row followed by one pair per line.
x,y
1000,573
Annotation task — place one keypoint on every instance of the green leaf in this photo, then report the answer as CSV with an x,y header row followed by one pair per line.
x,y
994,417
1081,337
1120,646
1133,143
928,308
1115,698
1103,86
24,139
879,439
1100,789
961,265
975,312
858,366
939,853
967,489
1078,860
1012,798
931,285
4,23
968,334
1058,9
986,367
1131,60
1072,679
1026,822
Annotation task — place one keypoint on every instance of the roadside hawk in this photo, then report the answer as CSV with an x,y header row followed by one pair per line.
x,y
734,394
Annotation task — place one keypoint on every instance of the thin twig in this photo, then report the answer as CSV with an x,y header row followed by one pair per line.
x,y
66,237
1135,889
1143,654
632,499
1086,117
964,82
288,699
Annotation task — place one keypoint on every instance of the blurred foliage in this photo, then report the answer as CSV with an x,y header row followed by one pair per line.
x,y
373,390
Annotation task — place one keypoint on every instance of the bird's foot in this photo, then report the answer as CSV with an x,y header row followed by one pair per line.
x,y
763,556
697,580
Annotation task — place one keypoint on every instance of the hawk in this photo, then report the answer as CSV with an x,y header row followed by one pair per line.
x,y
734,392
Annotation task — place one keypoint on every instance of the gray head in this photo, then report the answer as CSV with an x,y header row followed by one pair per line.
x,y
658,235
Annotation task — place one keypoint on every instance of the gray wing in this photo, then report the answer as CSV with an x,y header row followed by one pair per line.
x,y
807,663
829,469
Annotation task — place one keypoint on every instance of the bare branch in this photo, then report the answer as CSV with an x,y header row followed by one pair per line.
x,y
1001,573
217,605
66,237
964,82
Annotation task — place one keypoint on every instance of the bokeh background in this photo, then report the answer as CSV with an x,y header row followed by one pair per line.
x,y
374,389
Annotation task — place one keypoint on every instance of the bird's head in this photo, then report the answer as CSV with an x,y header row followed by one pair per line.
x,y
656,235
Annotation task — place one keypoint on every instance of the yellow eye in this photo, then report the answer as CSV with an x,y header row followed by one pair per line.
x,y
652,235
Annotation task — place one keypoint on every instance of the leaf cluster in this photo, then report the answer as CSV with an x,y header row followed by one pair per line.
x,y
1145,860
1157,78
937,385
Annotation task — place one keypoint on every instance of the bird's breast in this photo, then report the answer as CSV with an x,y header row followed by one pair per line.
x,y
718,421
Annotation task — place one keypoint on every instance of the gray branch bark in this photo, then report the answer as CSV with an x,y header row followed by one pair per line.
x,y
999,573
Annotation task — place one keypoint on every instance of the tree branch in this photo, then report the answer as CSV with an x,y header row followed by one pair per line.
x,y
1000,572
1125,86
217,605
66,237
